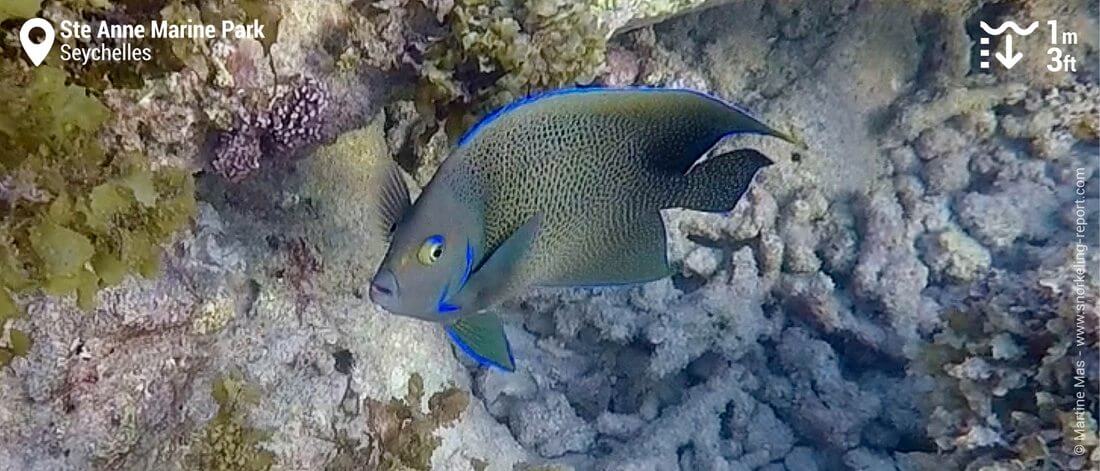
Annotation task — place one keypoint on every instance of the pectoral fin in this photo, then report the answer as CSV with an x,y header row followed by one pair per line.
x,y
482,337
496,278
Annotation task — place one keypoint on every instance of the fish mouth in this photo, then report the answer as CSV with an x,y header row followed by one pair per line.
x,y
384,289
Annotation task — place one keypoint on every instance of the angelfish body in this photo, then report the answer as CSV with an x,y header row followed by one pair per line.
x,y
563,189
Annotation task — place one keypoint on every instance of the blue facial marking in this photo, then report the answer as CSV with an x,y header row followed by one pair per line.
x,y
436,239
469,265
442,305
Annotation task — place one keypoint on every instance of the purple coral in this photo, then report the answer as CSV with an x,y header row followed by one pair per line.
x,y
293,122
15,188
238,153
296,117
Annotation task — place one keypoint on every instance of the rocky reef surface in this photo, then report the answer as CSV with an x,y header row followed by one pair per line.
x,y
907,293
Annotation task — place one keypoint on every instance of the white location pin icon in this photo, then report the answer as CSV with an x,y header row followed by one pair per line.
x,y
37,51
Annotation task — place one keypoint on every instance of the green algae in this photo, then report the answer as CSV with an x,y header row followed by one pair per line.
x,y
75,218
499,50
227,442
19,9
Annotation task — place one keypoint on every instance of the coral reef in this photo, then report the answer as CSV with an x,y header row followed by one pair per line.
x,y
1008,383
910,292
840,293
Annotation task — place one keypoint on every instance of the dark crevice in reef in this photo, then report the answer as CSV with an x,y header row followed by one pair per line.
x,y
855,355
935,44
688,283
993,14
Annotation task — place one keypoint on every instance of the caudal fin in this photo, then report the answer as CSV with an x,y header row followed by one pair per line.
x,y
717,184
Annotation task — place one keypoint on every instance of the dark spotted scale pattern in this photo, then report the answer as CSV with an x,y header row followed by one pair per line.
x,y
598,165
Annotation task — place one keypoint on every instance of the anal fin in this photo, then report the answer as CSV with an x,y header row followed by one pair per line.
x,y
482,337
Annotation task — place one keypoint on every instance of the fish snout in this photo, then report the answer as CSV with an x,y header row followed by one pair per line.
x,y
383,288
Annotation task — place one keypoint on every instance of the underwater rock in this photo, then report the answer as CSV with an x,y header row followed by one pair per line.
x,y
767,434
705,320
956,256
799,237
801,458
948,173
107,378
549,425
690,421
996,219
619,425
830,409
702,261
888,271
862,459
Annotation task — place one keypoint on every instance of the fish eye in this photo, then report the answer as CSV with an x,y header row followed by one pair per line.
x,y
430,250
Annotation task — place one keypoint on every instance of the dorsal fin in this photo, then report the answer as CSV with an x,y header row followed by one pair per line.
x,y
740,121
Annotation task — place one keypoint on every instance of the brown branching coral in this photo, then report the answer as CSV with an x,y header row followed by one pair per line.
x,y
1014,374
403,437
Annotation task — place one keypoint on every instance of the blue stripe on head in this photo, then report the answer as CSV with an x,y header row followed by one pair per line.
x,y
469,265
570,91
478,358
442,305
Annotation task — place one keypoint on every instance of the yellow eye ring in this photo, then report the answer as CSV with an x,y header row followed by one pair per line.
x,y
430,250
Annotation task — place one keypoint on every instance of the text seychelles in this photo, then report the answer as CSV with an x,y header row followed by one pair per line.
x,y
159,29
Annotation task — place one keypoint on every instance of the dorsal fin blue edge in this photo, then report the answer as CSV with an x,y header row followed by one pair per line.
x,y
529,99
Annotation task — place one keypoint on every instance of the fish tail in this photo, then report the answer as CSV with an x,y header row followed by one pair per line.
x,y
717,184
